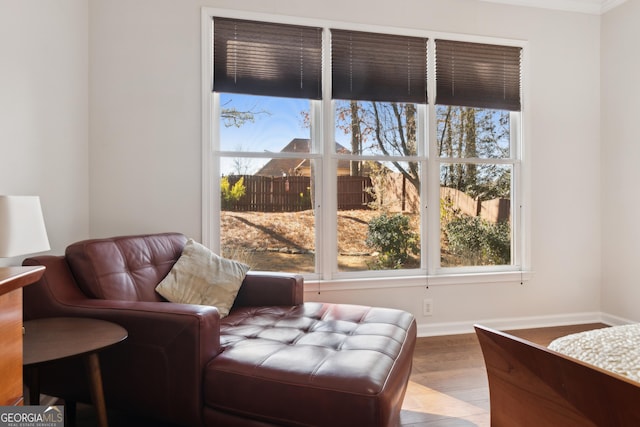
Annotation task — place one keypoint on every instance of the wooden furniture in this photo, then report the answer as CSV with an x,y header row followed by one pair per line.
x,y
50,339
532,386
12,280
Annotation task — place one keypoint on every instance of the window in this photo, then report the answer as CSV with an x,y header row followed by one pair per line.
x,y
379,82
327,157
265,78
478,97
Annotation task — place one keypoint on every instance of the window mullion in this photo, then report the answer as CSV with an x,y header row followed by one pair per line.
x,y
211,177
326,234
433,197
517,245
432,206
477,160
423,151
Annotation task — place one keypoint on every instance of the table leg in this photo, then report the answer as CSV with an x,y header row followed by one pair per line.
x,y
34,386
70,413
95,382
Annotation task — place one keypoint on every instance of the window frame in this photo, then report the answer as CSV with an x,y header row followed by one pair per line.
x,y
421,157
322,113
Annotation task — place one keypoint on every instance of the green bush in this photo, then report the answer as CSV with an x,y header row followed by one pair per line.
x,y
479,242
392,237
230,194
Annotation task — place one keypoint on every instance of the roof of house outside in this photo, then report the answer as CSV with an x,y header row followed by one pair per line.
x,y
297,166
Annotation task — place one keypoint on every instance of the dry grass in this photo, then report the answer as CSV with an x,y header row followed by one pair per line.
x,y
293,231
285,241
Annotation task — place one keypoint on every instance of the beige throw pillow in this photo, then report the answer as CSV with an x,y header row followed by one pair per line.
x,y
202,277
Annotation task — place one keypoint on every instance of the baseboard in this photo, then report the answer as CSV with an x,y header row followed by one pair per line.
x,y
612,320
466,327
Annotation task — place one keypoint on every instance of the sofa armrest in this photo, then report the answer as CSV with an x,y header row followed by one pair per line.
x,y
158,368
263,288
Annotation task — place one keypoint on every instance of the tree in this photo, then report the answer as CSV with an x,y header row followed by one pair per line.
x,y
231,116
389,129
386,128
241,165
467,133
230,194
356,138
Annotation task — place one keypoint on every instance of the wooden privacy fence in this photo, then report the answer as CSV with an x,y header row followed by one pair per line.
x,y
354,192
491,210
295,193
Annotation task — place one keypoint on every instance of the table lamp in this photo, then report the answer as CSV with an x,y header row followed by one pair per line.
x,y
22,229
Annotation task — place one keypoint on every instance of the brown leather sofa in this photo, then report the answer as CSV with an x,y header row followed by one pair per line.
x,y
274,360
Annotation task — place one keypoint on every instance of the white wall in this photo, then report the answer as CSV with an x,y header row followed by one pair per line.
x,y
145,134
44,111
621,160
145,117
126,74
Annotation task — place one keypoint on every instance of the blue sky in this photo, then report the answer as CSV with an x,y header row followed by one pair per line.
x,y
278,121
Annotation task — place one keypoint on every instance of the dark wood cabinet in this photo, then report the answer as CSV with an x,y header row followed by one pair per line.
x,y
12,280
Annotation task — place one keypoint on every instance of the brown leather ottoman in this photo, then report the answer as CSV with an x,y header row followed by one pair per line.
x,y
310,365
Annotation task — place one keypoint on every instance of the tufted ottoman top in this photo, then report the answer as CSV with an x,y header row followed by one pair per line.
x,y
313,364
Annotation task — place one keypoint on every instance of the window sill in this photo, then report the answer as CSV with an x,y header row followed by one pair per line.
x,y
512,277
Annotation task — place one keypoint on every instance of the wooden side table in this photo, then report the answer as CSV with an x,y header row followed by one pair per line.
x,y
50,339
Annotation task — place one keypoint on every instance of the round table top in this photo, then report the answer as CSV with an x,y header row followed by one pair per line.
x,y
56,338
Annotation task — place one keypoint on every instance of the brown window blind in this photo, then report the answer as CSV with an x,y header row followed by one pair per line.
x,y
378,67
262,58
478,75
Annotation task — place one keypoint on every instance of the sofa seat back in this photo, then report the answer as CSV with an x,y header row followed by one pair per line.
x,y
124,268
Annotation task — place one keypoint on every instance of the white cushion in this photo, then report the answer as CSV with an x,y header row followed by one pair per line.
x,y
202,277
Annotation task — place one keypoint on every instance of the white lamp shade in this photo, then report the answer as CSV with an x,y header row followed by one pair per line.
x,y
22,229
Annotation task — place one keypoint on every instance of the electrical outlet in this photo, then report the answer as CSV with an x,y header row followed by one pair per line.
x,y
427,307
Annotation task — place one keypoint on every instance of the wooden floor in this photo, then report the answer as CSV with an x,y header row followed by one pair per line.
x,y
448,385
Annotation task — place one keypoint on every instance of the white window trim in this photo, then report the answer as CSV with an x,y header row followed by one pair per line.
x,y
518,273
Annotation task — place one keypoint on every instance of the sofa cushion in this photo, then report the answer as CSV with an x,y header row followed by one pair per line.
x,y
124,268
202,277
307,364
